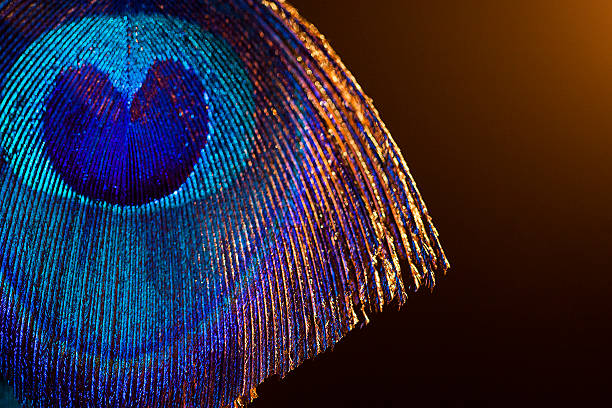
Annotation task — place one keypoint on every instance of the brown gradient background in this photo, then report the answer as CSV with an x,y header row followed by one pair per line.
x,y
503,111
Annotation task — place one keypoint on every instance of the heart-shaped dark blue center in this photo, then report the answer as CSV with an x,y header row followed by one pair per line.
x,y
108,148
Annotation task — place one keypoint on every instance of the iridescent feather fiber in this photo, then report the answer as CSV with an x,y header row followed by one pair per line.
x,y
194,196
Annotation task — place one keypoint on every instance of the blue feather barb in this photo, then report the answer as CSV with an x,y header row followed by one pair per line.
x,y
193,196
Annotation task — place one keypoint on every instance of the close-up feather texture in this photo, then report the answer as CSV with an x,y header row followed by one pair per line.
x,y
194,196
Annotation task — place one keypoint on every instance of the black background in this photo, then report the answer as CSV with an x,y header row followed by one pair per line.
x,y
503,111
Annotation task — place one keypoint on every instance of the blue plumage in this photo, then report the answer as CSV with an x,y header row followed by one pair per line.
x,y
193,196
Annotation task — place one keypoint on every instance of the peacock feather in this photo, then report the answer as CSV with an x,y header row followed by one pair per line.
x,y
194,195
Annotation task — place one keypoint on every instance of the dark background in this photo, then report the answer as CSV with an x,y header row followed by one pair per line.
x,y
503,110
